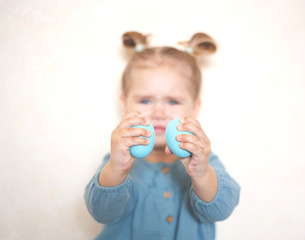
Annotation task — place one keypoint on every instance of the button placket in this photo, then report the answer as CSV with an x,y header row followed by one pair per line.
x,y
167,194
165,170
166,187
169,219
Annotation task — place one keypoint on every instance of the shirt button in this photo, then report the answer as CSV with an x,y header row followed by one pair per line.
x,y
165,170
167,194
169,219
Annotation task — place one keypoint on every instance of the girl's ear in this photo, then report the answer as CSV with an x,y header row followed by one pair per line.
x,y
196,108
123,104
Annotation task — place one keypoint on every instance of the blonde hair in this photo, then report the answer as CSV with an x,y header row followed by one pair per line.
x,y
144,56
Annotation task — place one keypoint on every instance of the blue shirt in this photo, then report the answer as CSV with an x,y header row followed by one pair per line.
x,y
157,201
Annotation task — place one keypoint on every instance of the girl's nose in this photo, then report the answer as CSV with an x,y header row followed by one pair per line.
x,y
158,112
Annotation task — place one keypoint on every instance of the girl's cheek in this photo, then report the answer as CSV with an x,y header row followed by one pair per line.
x,y
177,110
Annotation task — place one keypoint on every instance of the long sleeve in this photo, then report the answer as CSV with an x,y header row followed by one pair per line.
x,y
141,208
106,204
227,196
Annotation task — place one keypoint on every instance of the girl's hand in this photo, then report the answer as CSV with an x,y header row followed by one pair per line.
x,y
204,179
198,144
123,137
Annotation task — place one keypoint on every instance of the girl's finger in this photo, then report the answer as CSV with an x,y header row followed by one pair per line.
x,y
195,149
133,121
191,120
188,138
192,126
133,114
132,141
134,132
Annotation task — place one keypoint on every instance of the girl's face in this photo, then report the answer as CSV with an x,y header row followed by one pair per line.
x,y
160,94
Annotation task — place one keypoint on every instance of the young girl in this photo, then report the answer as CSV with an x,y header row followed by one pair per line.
x,y
161,196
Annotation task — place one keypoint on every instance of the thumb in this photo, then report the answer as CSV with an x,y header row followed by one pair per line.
x,y
168,151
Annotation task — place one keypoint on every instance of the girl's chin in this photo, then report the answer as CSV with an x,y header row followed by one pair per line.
x,y
160,145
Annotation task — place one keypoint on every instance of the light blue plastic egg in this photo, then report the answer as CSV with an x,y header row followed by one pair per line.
x,y
142,151
170,134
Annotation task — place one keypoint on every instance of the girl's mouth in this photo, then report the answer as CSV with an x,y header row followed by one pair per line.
x,y
159,129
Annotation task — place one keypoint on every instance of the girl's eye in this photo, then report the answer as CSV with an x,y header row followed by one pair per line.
x,y
173,102
145,101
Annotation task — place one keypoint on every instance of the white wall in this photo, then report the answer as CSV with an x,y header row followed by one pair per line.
x,y
60,67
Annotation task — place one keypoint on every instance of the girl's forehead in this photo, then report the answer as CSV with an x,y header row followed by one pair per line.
x,y
163,79
166,73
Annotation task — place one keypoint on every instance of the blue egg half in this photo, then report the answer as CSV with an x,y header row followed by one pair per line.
x,y
170,134
142,151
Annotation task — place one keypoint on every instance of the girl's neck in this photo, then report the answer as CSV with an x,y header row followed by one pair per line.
x,y
160,156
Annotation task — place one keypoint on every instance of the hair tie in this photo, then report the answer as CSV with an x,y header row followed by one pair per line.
x,y
189,50
139,47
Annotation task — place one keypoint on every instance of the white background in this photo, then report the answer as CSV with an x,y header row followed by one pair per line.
x,y
60,69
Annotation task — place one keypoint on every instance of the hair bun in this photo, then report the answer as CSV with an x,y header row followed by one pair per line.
x,y
132,39
201,44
